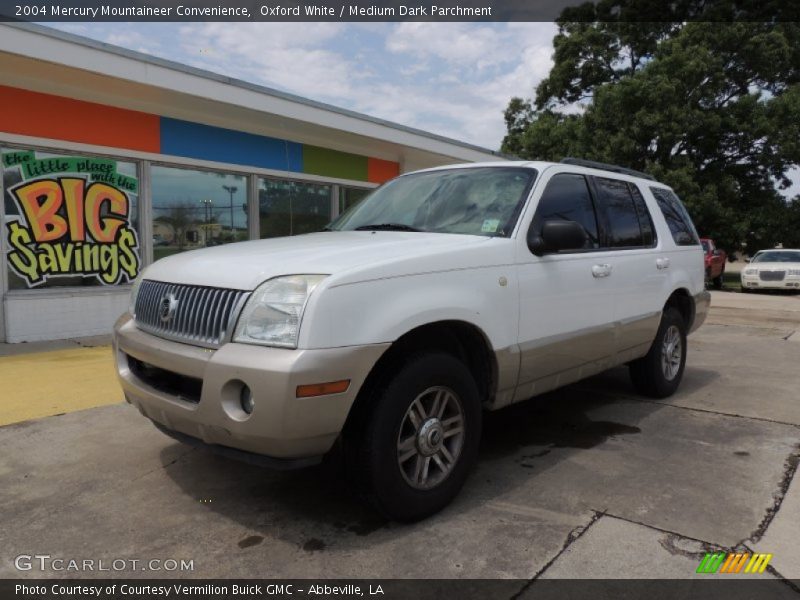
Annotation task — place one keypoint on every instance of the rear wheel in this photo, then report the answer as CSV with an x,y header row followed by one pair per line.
x,y
420,438
658,374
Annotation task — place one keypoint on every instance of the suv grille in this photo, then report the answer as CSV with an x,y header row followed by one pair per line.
x,y
188,313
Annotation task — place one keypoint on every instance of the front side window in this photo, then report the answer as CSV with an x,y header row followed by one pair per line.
x,y
678,220
567,198
621,215
474,201
194,209
70,220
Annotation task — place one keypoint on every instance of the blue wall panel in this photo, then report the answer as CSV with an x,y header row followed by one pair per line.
x,y
192,140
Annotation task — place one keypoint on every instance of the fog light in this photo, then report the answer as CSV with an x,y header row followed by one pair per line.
x,y
246,398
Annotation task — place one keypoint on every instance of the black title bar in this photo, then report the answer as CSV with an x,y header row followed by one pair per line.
x,y
394,10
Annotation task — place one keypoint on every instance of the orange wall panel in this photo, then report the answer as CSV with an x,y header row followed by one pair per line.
x,y
379,170
43,115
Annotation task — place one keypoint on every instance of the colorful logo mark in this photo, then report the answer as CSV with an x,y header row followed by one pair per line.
x,y
729,562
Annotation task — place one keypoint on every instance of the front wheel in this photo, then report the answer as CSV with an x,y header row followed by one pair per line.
x,y
420,439
717,281
660,371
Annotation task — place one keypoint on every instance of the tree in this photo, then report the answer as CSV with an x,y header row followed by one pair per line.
x,y
712,109
180,220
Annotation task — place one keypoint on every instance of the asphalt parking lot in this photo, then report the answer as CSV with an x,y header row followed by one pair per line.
x,y
589,481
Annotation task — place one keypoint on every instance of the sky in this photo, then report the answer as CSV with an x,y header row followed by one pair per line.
x,y
454,79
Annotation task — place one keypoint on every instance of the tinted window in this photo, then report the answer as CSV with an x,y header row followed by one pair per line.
x,y
678,221
621,216
645,220
567,198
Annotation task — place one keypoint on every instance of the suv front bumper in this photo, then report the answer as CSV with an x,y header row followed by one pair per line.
x,y
281,426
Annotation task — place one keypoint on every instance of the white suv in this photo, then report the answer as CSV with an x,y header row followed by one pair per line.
x,y
444,292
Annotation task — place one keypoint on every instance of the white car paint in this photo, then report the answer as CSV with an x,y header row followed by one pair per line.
x,y
787,274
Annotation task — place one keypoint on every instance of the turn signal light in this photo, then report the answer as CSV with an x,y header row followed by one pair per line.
x,y
322,389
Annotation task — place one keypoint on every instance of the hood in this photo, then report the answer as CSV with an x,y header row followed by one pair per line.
x,y
245,265
773,266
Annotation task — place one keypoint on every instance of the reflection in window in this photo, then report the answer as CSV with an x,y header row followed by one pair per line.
x,y
645,220
292,207
87,233
680,225
567,198
194,209
349,197
623,220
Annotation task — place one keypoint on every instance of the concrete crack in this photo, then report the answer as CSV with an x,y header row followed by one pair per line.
x,y
711,412
572,537
789,469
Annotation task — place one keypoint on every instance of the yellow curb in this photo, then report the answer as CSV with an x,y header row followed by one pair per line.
x,y
50,383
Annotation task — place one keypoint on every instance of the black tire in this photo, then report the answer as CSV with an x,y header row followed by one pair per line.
x,y
717,281
647,373
376,471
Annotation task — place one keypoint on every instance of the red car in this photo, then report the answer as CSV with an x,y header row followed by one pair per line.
x,y
715,262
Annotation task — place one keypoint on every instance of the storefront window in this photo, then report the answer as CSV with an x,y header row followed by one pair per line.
x,y
349,197
292,207
70,220
194,209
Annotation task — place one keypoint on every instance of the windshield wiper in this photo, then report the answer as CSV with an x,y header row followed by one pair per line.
x,y
387,227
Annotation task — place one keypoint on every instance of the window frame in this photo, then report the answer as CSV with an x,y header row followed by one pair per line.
x,y
144,161
601,216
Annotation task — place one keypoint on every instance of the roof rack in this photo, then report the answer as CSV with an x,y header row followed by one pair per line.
x,y
606,167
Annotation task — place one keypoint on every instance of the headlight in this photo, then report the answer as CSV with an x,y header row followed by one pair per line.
x,y
273,313
137,283
751,271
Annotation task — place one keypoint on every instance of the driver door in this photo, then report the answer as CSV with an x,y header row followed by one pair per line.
x,y
566,298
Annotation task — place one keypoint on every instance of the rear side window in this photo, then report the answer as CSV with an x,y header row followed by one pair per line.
x,y
645,220
567,198
622,218
678,220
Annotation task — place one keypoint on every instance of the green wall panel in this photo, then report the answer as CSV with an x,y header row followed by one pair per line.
x,y
332,163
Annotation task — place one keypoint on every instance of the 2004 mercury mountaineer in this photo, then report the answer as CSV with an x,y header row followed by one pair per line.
x,y
444,292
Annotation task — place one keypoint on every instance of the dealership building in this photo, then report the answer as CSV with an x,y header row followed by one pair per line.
x,y
112,159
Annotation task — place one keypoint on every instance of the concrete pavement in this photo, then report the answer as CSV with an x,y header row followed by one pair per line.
x,y
589,481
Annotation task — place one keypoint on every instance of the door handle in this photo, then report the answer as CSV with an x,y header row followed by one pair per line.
x,y
601,270
662,263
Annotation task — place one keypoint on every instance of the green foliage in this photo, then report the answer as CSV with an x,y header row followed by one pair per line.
x,y
712,109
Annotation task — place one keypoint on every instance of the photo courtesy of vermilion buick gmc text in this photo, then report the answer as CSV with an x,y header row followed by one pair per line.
x,y
443,293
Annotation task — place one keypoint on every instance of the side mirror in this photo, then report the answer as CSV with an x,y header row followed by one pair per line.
x,y
556,236
715,252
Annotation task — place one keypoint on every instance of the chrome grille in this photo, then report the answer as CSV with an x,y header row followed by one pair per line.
x,y
202,316
771,275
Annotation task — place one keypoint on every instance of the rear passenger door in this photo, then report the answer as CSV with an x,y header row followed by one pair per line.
x,y
640,273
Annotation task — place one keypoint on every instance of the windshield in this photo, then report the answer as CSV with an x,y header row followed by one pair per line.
x,y
777,257
476,201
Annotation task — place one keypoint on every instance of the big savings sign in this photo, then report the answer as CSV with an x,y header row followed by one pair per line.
x,y
74,220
